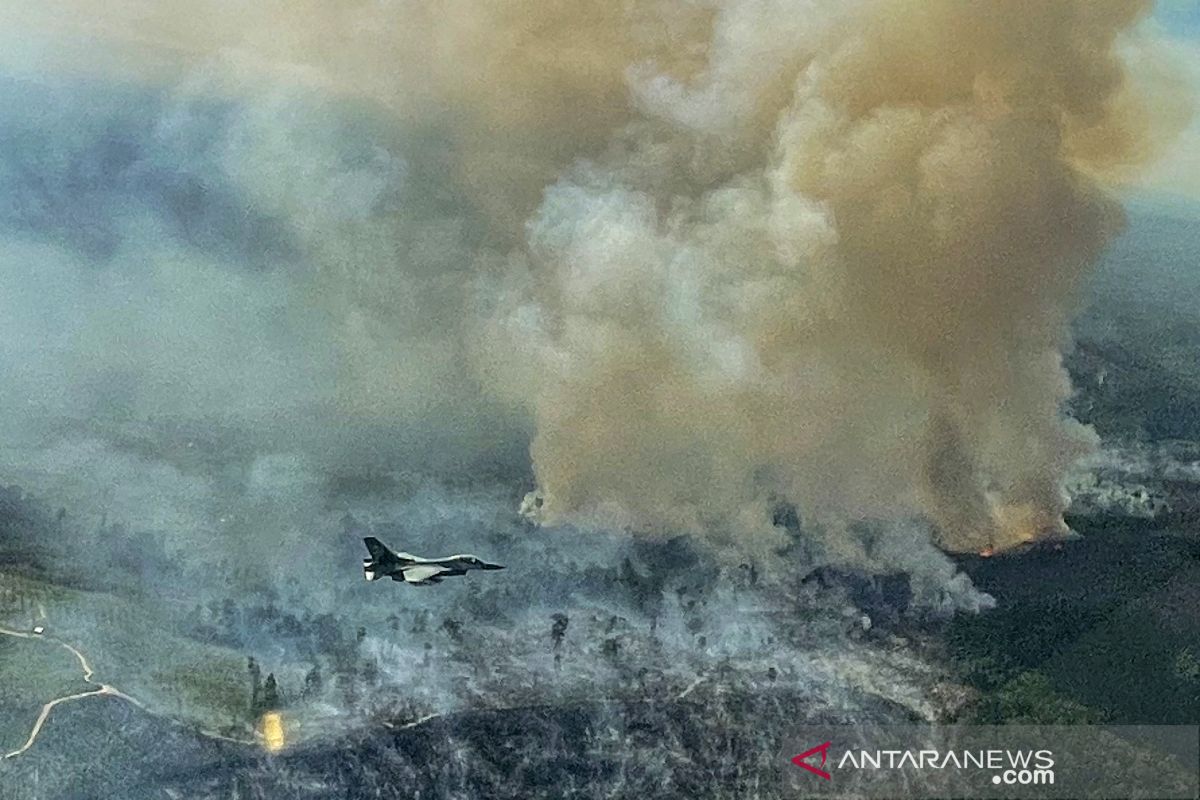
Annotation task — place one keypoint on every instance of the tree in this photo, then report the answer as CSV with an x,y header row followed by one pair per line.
x,y
313,682
270,693
453,628
1031,699
255,685
557,631
370,672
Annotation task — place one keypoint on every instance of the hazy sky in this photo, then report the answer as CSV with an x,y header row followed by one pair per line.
x,y
1178,171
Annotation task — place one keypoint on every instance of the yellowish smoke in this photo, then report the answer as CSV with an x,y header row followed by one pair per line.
x,y
835,266
731,253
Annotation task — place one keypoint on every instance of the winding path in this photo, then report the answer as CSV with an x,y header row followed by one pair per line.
x,y
101,689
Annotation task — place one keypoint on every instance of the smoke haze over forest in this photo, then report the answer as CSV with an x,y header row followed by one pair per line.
x,y
674,267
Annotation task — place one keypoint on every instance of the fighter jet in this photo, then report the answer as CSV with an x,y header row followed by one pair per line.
x,y
385,563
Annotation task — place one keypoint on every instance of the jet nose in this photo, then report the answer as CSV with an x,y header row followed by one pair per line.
x,y
492,566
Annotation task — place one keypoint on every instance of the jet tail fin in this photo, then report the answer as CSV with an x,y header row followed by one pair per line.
x,y
380,556
378,550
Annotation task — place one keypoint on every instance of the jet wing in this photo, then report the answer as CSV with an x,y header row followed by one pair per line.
x,y
383,554
424,572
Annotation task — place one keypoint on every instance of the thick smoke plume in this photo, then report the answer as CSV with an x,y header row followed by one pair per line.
x,y
722,256
834,264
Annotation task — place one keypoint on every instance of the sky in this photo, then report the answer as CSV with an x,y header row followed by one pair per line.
x,y
1178,171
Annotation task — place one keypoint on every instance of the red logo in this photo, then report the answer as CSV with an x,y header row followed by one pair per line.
x,y
823,749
